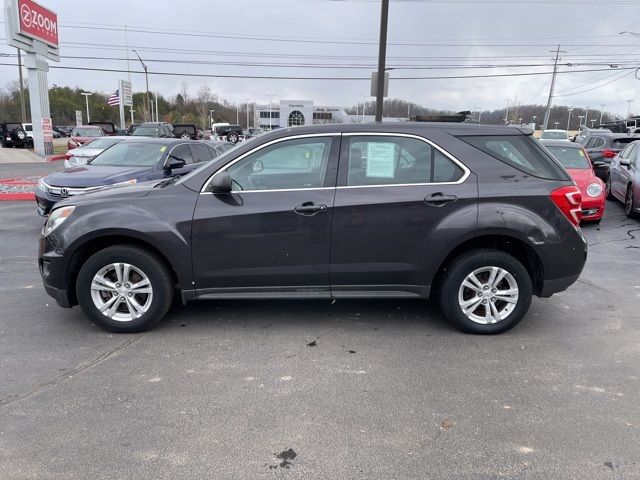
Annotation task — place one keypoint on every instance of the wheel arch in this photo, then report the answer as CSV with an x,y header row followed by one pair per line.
x,y
512,245
94,244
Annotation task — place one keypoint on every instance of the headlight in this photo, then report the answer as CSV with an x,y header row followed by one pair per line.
x,y
594,190
56,218
42,185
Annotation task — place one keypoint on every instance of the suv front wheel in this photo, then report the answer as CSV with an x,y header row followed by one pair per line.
x,y
124,289
485,291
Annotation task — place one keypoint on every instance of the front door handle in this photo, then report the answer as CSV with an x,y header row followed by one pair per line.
x,y
439,199
309,208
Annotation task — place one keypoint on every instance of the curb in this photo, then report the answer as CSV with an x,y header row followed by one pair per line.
x,y
56,158
13,197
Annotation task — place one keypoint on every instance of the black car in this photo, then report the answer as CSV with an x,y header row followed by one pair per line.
x,y
128,162
13,135
186,131
109,128
480,217
232,133
131,128
154,130
602,147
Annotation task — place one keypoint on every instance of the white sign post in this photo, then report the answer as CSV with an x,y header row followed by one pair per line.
x,y
34,29
78,118
126,100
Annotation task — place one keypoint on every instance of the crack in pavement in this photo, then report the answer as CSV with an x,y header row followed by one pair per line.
x,y
38,388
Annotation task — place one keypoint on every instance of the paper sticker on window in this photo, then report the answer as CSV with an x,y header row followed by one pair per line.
x,y
163,148
381,160
581,153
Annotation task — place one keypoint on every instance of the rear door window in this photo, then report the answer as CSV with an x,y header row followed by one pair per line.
x,y
392,160
520,152
620,143
182,152
202,153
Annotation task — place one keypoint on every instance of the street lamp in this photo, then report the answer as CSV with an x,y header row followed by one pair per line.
x,y
593,120
629,107
580,117
569,119
586,116
556,124
211,110
601,112
534,121
146,78
248,113
86,99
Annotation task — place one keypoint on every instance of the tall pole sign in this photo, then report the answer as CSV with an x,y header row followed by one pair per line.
x,y
126,100
34,29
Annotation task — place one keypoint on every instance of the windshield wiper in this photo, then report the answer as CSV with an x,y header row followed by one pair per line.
x,y
167,182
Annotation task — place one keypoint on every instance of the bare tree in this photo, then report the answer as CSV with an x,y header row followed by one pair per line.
x,y
203,104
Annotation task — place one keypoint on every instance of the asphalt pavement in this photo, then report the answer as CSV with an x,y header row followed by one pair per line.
x,y
361,389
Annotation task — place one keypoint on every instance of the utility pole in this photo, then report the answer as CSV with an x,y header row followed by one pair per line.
x,y
569,120
601,112
629,102
382,57
146,78
506,115
586,117
22,107
547,111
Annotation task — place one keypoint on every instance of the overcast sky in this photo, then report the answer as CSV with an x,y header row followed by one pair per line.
x,y
317,32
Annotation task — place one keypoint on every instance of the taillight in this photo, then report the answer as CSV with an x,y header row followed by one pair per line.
x,y
608,153
568,200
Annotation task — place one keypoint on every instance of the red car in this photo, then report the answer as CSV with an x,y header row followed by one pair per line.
x,y
575,160
81,135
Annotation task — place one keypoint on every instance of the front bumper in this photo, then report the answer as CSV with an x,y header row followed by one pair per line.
x,y
45,201
52,268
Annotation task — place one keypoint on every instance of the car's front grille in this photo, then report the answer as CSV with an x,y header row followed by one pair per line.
x,y
64,192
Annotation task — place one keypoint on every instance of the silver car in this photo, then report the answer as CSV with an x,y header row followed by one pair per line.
x,y
81,155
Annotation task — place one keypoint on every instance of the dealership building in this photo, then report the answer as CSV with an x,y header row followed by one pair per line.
x,y
291,113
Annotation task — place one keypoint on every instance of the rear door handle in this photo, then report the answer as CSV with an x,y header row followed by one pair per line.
x,y
309,208
439,199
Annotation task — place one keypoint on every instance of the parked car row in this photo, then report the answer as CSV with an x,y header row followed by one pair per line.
x,y
480,217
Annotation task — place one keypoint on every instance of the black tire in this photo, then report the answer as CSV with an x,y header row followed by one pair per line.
x,y
607,188
155,270
233,137
463,265
629,203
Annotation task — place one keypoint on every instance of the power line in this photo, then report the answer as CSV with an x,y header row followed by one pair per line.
x,y
596,87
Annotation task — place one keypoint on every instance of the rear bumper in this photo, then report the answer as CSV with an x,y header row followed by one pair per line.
x,y
557,285
563,263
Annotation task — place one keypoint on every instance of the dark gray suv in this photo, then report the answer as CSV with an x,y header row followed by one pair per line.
x,y
480,217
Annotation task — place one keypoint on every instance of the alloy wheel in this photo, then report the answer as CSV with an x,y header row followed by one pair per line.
x,y
488,295
121,292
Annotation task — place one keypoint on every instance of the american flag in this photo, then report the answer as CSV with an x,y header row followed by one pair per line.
x,y
114,99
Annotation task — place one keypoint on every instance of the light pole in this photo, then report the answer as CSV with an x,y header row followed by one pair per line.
x,y
211,110
382,58
580,117
593,120
601,112
146,78
86,99
586,116
555,124
248,113
364,107
270,95
569,119
629,107
534,121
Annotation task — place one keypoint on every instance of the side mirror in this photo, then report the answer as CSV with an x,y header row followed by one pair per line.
x,y
625,163
175,163
221,182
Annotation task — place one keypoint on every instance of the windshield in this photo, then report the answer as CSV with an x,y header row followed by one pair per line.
x,y
11,126
87,132
131,154
145,132
554,135
570,157
104,142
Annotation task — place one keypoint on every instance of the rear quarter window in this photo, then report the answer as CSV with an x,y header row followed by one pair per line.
x,y
520,152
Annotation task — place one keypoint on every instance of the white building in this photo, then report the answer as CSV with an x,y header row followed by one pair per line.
x,y
291,113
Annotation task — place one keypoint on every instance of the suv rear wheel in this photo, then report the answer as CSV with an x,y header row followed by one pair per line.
x,y
124,289
233,137
485,291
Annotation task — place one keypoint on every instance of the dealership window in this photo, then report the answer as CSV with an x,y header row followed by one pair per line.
x,y
397,160
322,116
296,118
300,163
264,114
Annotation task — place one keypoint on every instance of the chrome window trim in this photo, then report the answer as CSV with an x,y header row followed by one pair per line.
x,y
462,166
260,147
166,160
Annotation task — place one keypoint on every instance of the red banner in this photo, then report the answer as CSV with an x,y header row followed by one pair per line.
x,y
38,22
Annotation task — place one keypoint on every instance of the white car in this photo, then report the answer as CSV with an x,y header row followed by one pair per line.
x,y
81,155
552,134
